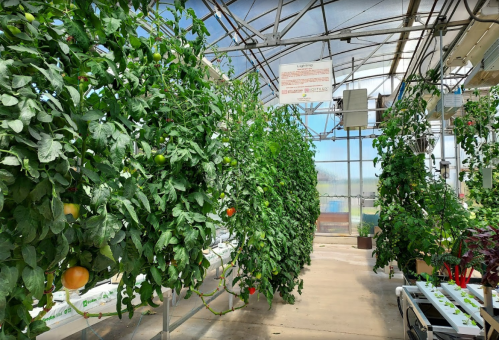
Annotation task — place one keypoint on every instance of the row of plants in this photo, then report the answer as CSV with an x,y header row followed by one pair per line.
x,y
420,216
114,153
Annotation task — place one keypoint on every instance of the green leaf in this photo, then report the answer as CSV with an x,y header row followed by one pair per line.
x,y
191,238
198,197
94,177
48,149
145,291
156,275
136,239
147,148
16,125
77,30
100,195
163,241
101,132
129,187
75,95
92,115
111,25
11,160
41,189
129,207
38,327
143,198
29,255
119,147
106,251
20,81
102,228
54,78
135,42
24,49
179,185
181,255
59,221
209,168
34,280
64,47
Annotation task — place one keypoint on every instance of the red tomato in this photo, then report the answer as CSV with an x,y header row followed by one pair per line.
x,y
231,211
252,290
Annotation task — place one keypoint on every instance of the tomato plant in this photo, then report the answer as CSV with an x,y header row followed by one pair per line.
x,y
417,210
85,184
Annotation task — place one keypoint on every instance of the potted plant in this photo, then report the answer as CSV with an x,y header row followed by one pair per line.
x,y
364,241
485,242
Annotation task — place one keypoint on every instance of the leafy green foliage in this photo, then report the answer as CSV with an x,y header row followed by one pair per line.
x,y
420,215
84,112
476,132
273,190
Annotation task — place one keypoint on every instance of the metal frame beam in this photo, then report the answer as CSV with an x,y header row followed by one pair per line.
x,y
412,9
339,36
277,18
298,17
239,20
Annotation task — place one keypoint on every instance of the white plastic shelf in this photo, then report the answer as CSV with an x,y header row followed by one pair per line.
x,y
466,302
455,320
477,290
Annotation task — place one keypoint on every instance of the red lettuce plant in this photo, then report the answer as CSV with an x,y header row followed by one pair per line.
x,y
485,241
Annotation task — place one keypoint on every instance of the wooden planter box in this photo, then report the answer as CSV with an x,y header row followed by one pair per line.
x,y
491,324
364,242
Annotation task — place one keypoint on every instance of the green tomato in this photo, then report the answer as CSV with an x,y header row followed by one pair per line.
x,y
29,17
226,139
275,272
233,163
262,244
161,139
266,203
282,183
160,159
227,160
258,276
265,189
156,56
222,195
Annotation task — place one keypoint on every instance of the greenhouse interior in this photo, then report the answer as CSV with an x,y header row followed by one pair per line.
x,y
249,169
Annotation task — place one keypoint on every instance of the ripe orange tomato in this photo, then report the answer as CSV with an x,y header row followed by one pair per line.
x,y
231,211
73,209
75,277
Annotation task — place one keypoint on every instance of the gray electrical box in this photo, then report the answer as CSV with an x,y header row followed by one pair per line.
x,y
356,101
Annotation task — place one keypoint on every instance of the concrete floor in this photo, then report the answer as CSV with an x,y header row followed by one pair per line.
x,y
342,299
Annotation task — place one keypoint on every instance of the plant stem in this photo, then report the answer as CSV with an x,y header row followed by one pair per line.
x,y
50,301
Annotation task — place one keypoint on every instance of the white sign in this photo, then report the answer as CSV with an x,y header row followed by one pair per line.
x,y
305,82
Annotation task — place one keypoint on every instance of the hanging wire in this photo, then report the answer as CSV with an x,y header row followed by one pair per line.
x,y
357,15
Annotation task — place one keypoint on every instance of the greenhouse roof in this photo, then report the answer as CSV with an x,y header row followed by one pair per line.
x,y
379,38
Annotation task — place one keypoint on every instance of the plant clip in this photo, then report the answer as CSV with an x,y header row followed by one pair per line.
x,y
225,287
232,308
46,310
201,294
50,290
221,313
73,189
49,272
207,306
85,315
236,295
218,288
100,316
222,277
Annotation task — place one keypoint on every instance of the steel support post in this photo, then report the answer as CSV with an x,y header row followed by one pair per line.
x,y
229,284
404,317
361,203
349,185
165,334
442,145
84,334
